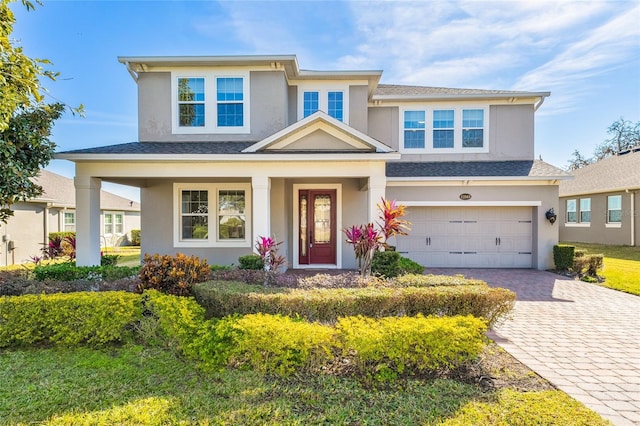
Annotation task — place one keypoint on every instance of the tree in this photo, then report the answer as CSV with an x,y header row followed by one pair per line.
x,y
25,119
578,160
624,135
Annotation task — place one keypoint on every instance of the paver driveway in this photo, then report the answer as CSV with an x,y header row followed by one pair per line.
x,y
583,338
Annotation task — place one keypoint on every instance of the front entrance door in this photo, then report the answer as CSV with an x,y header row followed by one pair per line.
x,y
317,221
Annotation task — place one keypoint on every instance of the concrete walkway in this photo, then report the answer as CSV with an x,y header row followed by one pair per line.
x,y
583,338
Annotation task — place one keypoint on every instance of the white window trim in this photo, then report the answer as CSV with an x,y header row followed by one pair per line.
x,y
210,102
113,223
212,240
582,211
323,89
578,224
457,129
64,224
614,224
566,217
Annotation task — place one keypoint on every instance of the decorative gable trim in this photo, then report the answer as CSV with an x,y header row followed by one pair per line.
x,y
319,120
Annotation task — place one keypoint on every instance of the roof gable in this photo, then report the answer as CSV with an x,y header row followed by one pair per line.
x,y
319,132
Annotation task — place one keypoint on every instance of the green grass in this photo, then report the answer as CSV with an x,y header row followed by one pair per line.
x,y
150,386
621,265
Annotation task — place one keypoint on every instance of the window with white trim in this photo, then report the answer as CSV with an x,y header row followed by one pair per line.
x,y
69,221
335,106
614,209
447,129
585,210
113,223
210,102
212,214
331,98
310,103
572,212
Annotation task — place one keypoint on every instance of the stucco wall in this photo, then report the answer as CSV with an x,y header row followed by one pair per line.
x,y
358,116
545,235
511,134
597,230
268,103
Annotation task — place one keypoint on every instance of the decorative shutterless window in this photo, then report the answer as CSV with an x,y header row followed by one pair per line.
x,y
585,210
212,214
113,223
614,209
230,98
572,214
336,105
472,128
443,126
414,129
69,221
310,103
191,102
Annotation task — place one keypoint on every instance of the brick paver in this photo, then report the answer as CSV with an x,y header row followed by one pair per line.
x,y
583,338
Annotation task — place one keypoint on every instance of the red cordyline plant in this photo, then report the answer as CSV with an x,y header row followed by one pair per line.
x,y
391,222
365,240
267,248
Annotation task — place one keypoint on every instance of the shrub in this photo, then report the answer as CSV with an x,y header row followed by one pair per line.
x,y
68,271
413,280
109,259
388,347
61,235
221,298
386,264
251,262
408,266
596,263
588,265
563,257
172,274
344,280
281,345
135,237
94,319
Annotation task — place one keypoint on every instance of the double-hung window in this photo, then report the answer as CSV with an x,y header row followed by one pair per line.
x,y
414,129
210,102
472,128
335,106
310,103
443,128
585,210
572,213
212,214
69,221
113,223
191,102
614,209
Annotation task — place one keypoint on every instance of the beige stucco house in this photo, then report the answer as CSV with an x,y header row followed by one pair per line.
x,y
27,230
235,147
600,205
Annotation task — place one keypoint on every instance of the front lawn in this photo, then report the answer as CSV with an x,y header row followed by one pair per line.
x,y
151,386
621,265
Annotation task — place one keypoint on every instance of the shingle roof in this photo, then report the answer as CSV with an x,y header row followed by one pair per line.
x,y
61,191
614,173
167,148
534,168
401,90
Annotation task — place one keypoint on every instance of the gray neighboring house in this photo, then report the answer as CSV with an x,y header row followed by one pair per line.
x,y
601,204
55,211
231,148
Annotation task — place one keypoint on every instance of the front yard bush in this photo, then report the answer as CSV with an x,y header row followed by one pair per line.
x,y
68,271
389,347
386,264
222,298
172,274
251,262
563,256
94,319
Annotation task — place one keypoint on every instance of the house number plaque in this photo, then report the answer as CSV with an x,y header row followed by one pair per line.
x,y
465,196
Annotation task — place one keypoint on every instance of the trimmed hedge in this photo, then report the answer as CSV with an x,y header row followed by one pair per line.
x,y
386,264
61,235
94,319
563,256
70,272
136,234
252,262
227,298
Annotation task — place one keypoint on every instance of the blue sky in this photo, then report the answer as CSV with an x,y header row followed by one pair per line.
x,y
586,53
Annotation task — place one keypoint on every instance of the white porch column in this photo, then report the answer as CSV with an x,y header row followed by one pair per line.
x,y
377,190
87,220
261,188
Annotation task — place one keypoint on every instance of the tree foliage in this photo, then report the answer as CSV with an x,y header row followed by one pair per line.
x,y
578,160
25,119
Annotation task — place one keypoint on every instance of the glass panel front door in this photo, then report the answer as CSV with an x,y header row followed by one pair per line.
x,y
317,230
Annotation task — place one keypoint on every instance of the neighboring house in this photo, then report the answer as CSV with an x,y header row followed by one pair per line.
x,y
235,147
601,204
55,211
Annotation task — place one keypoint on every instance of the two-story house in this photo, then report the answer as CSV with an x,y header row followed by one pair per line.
x,y
235,147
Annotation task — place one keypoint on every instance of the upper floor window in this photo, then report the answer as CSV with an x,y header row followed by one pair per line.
x,y
572,213
446,130
310,103
329,97
207,102
335,108
414,129
230,97
191,102
614,209
585,210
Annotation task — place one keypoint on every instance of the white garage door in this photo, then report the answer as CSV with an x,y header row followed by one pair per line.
x,y
471,237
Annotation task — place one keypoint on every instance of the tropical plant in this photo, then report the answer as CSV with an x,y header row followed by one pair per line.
x,y
365,240
391,222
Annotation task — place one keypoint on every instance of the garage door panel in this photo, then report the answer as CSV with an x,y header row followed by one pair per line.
x,y
469,236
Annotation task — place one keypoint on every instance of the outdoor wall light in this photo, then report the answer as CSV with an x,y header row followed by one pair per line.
x,y
551,216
